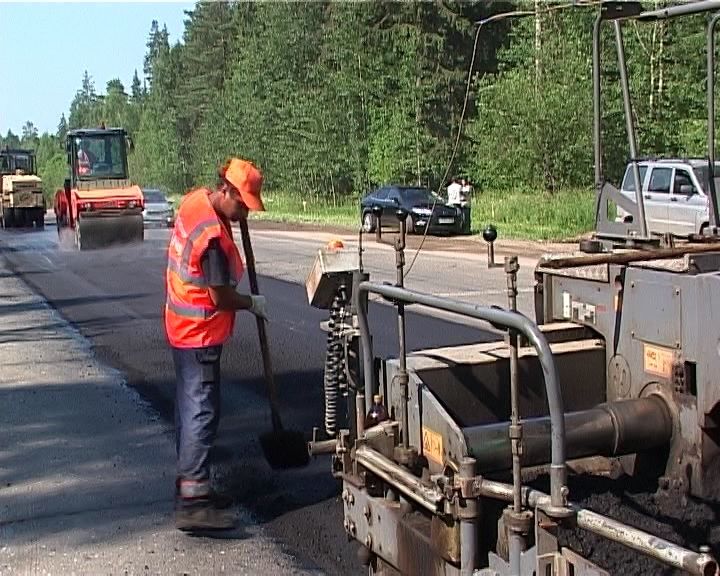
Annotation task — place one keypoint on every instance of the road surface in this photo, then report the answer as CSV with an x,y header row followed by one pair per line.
x,y
114,299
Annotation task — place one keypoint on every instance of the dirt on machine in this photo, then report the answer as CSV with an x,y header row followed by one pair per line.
x,y
21,194
98,202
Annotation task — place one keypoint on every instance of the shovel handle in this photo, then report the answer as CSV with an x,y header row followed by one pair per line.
x,y
262,335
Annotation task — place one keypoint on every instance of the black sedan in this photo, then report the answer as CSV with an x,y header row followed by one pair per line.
x,y
424,208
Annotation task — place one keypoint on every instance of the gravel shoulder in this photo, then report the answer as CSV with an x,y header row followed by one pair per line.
x,y
470,244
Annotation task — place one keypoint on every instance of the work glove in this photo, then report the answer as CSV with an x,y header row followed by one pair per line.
x,y
259,306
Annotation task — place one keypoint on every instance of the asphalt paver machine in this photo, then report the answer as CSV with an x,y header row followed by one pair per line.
x,y
474,470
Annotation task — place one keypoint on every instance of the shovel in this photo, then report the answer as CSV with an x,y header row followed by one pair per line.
x,y
282,448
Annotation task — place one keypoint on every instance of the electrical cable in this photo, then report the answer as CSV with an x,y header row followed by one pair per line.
x,y
468,84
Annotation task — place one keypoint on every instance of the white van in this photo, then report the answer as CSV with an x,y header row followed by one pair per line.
x,y
675,195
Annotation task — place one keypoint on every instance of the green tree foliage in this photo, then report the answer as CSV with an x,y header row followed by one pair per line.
x,y
330,98
84,110
539,102
10,140
136,89
52,164
62,129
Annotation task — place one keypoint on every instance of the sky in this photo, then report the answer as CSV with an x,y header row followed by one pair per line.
x,y
45,48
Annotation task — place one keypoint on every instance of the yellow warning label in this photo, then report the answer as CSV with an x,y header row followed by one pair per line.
x,y
432,445
659,361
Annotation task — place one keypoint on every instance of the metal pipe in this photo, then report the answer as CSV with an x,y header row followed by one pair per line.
x,y
515,429
491,254
360,415
515,552
399,478
597,136
711,116
322,447
681,10
668,553
710,54
469,553
361,305
515,538
403,375
630,127
499,317
627,257
658,548
623,427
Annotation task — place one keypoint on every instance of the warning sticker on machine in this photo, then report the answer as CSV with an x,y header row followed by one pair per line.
x,y
658,361
432,445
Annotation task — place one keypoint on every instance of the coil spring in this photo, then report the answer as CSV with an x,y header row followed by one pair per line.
x,y
335,381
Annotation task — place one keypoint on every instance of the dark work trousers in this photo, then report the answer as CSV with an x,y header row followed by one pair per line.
x,y
197,409
463,217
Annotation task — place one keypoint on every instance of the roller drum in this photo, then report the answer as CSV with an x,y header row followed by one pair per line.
x,y
108,230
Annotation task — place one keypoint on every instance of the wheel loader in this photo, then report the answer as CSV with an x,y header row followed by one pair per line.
x,y
21,195
98,203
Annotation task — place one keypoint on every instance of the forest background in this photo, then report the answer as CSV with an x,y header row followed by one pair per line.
x,y
333,98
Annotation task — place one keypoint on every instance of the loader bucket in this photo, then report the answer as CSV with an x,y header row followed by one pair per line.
x,y
101,231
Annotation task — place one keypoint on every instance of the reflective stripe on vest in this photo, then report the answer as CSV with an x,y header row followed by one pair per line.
x,y
188,310
191,317
184,275
196,233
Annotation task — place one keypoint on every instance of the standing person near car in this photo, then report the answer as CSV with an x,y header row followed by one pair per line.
x,y
204,267
456,200
453,193
466,190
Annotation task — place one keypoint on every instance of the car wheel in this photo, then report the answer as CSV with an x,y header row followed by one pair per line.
x,y
368,222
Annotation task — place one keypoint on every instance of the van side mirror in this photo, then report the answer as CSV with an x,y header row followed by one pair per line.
x,y
687,189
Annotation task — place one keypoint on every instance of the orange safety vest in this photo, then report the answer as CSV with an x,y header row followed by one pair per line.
x,y
191,318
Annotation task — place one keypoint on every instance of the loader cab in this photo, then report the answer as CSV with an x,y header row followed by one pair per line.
x,y
17,161
97,154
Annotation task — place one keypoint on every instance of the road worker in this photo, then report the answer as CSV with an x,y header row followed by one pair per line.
x,y
204,267
85,159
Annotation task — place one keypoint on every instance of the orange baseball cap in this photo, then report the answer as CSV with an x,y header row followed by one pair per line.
x,y
247,179
335,244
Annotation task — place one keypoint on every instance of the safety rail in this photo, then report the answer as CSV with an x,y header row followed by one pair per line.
x,y
497,317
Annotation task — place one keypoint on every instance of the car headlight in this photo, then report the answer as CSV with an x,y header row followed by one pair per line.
x,y
421,211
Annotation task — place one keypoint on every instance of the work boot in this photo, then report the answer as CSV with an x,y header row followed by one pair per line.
x,y
203,516
220,501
